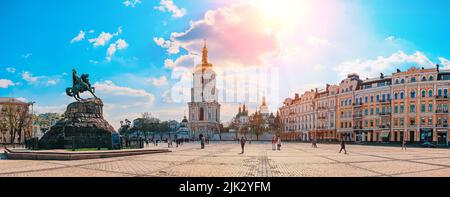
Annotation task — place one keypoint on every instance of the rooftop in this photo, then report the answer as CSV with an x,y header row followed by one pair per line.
x,y
6,100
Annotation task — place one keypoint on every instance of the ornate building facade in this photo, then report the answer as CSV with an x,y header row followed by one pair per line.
x,y
204,108
411,105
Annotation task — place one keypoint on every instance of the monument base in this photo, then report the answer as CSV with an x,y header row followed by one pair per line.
x,y
82,127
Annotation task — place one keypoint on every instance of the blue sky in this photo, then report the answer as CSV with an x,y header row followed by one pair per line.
x,y
301,40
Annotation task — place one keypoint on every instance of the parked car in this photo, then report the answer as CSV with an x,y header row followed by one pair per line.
x,y
428,144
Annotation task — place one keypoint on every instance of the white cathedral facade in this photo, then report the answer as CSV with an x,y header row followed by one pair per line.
x,y
204,108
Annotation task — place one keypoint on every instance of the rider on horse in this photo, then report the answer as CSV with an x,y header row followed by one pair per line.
x,y
79,85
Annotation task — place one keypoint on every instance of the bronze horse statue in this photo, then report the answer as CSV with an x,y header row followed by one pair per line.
x,y
79,85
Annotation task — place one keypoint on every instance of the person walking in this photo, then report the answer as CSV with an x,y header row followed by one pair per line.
x,y
279,143
274,142
202,141
343,146
315,143
169,143
243,140
404,144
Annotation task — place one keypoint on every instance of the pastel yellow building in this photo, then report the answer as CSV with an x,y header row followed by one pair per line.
x,y
411,105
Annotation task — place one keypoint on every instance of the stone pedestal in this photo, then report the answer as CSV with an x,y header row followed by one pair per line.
x,y
82,127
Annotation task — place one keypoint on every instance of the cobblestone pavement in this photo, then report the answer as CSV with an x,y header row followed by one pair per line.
x,y
224,160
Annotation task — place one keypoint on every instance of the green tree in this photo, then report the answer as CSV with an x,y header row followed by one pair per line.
x,y
163,128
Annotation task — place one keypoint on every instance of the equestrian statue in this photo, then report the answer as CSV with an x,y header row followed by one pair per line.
x,y
80,85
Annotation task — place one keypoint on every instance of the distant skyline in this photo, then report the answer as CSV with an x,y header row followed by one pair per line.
x,y
137,51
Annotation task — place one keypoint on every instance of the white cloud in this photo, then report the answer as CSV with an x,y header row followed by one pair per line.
x,y
11,69
169,6
44,80
40,109
101,40
110,52
93,61
183,61
168,63
318,67
26,56
315,41
123,96
445,62
131,3
122,102
79,37
162,81
235,34
372,68
52,82
390,38
91,31
23,99
118,45
5,83
27,76
119,31
166,96
121,44
172,47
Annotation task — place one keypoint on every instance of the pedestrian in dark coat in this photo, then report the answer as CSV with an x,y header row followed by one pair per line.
x,y
243,141
343,146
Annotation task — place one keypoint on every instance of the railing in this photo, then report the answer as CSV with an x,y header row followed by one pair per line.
x,y
441,97
439,111
357,104
357,116
357,127
385,126
442,125
385,101
385,114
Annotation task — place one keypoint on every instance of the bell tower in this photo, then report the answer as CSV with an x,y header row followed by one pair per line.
x,y
204,108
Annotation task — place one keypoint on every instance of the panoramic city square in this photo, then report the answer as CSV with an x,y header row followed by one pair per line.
x,y
89,88
223,159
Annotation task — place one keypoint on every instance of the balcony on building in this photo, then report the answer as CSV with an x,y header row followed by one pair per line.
x,y
357,116
441,97
357,127
441,111
321,108
385,101
321,117
357,104
388,113
385,126
444,125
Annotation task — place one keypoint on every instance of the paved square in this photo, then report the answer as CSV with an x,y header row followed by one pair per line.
x,y
224,160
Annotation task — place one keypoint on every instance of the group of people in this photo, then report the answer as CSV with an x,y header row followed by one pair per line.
x,y
276,143
178,142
